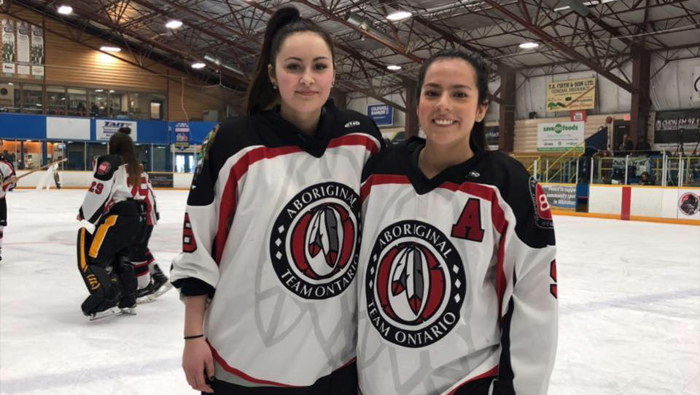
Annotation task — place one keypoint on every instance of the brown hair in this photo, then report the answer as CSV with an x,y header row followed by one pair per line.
x,y
283,23
122,145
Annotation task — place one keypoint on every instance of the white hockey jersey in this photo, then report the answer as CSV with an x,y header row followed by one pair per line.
x,y
272,225
6,171
457,278
109,186
145,192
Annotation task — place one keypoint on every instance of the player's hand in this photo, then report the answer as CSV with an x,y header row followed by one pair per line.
x,y
196,361
14,179
79,218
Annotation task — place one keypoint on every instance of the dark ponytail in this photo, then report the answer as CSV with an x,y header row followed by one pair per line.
x,y
122,145
282,23
477,138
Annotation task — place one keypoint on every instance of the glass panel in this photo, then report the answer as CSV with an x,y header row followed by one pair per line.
x,y
32,99
10,150
159,156
143,154
9,97
146,105
56,150
76,156
55,100
95,150
77,102
118,104
98,103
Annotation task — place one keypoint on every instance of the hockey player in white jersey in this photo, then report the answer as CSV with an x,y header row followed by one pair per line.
x,y
457,274
119,221
151,279
271,230
8,180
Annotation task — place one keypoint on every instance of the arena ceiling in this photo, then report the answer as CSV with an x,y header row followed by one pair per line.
x,y
573,35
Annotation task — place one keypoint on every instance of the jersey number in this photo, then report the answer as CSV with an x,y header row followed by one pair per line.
x,y
97,187
469,224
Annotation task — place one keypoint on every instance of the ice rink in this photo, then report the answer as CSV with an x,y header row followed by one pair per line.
x,y
629,297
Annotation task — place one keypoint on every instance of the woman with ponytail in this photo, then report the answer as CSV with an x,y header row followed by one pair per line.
x,y
271,232
119,222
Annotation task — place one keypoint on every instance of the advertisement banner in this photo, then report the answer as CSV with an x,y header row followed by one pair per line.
x,y
688,204
161,180
491,133
37,52
382,114
571,95
105,128
696,84
182,135
672,128
562,136
23,48
8,48
560,196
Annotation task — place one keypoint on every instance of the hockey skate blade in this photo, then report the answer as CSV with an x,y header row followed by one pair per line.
x,y
146,299
114,311
163,289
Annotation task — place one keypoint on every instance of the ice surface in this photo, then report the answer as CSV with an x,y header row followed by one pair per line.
x,y
629,308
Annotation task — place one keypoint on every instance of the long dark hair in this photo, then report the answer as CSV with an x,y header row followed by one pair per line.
x,y
477,139
282,24
122,145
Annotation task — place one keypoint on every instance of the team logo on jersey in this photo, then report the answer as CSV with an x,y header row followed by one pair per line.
x,y
543,215
103,168
314,244
352,124
689,204
415,284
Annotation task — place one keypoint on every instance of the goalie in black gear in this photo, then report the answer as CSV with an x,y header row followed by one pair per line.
x,y
119,226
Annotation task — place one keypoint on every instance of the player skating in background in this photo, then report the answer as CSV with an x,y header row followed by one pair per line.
x,y
119,221
457,274
152,281
271,230
8,180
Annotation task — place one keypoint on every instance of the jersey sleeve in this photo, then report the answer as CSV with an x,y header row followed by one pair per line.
x,y
100,189
195,271
529,311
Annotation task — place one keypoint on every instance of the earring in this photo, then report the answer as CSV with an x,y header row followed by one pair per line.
x,y
274,86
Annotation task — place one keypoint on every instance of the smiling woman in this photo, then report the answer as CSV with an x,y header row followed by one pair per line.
x,y
271,232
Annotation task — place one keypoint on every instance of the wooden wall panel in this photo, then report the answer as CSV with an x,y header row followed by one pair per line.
x,y
72,60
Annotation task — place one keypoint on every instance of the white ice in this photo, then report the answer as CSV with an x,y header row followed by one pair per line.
x,y
629,308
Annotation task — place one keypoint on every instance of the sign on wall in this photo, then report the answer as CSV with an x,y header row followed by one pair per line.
x,y
382,114
23,49
105,128
673,127
491,134
688,204
696,84
182,135
560,136
560,196
37,52
571,95
8,48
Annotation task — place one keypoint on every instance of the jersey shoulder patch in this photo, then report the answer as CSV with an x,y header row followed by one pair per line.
x,y
106,165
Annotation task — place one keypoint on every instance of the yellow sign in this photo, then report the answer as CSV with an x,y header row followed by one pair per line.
x,y
571,95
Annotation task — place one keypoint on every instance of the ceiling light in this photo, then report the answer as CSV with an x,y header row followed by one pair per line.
x,y
198,65
393,67
174,24
65,10
561,8
111,91
529,45
398,15
98,90
110,49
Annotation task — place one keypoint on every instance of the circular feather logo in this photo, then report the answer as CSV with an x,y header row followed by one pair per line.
x,y
415,284
315,241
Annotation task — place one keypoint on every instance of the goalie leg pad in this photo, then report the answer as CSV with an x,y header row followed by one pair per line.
x,y
102,285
